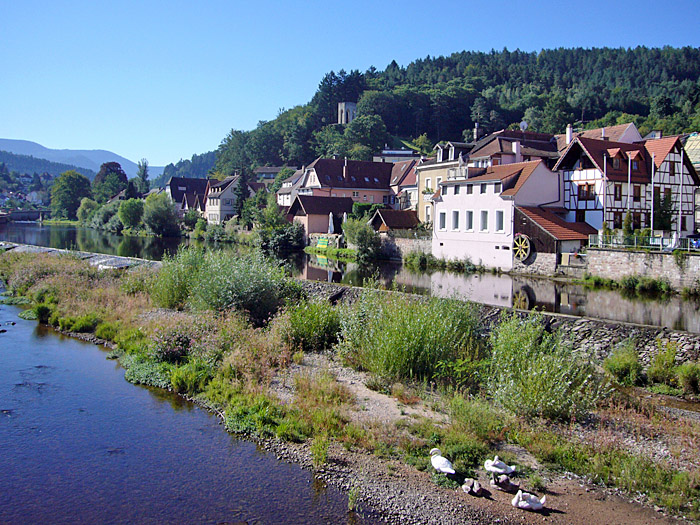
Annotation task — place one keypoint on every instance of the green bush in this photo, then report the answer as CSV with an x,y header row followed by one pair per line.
x,y
43,312
141,371
629,282
199,228
623,364
313,326
190,378
175,280
397,337
663,366
250,283
107,331
534,373
85,323
688,376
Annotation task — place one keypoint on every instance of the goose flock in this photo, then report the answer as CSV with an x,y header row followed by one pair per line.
x,y
500,480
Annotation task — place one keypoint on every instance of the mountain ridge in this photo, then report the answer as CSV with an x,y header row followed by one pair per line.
x,y
88,159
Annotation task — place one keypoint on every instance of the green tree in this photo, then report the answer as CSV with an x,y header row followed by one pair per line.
x,y
627,229
67,192
329,141
160,216
663,212
190,218
130,212
231,156
142,184
241,193
109,181
87,209
368,131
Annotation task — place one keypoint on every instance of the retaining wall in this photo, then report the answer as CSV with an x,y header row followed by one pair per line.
x,y
396,248
681,271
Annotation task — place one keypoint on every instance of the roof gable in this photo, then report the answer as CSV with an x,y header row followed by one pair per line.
x,y
312,205
338,173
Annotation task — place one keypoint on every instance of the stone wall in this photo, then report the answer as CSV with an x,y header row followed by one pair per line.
x,y
396,248
537,264
599,338
616,264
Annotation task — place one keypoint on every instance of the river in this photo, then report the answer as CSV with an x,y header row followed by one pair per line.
x,y
78,444
496,290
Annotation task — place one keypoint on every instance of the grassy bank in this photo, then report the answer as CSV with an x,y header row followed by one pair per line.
x,y
60,222
341,254
220,329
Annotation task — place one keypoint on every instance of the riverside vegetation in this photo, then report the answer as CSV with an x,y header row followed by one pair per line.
x,y
220,329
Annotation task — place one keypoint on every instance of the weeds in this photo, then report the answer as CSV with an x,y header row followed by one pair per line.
x,y
311,326
623,364
662,367
319,451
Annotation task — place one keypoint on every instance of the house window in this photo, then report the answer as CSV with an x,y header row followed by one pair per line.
x,y
457,186
582,193
499,220
442,220
355,193
683,223
483,189
364,198
616,163
470,189
617,220
636,220
671,169
470,220
428,216
635,165
455,220
497,188
427,184
437,183
618,192
636,193
385,199
484,227
580,216
371,198
667,193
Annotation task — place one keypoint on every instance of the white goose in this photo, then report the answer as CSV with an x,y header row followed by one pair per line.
x,y
440,463
527,501
498,467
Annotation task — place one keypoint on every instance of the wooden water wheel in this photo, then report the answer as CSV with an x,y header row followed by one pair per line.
x,y
521,247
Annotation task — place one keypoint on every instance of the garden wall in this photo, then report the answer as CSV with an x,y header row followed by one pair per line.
x,y
680,270
537,264
396,248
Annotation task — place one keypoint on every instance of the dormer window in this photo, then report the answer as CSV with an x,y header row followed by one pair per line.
x,y
635,165
366,179
497,188
616,163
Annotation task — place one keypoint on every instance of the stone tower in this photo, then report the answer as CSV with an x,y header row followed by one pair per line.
x,y
346,112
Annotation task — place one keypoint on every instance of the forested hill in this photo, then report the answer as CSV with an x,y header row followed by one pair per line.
x,y
30,165
197,167
441,98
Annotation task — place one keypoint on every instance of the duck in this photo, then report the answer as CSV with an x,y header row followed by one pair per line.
x,y
504,483
527,501
498,467
473,487
440,463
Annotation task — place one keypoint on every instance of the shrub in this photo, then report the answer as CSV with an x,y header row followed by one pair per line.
x,y
107,331
102,215
114,224
623,364
199,228
190,378
130,212
85,323
368,245
688,375
136,281
142,371
629,282
172,343
87,209
215,233
160,216
534,373
191,218
174,281
250,282
663,365
398,337
43,312
312,326
319,451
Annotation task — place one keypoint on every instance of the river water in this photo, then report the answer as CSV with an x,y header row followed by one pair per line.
x,y
496,290
78,444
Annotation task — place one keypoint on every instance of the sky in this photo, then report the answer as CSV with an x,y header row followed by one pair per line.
x,y
165,80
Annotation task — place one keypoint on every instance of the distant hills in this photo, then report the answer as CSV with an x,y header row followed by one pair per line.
x,y
88,159
30,165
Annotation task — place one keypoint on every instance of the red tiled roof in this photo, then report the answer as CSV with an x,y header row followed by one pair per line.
x,y
512,176
597,150
660,148
556,226
357,174
312,205
404,173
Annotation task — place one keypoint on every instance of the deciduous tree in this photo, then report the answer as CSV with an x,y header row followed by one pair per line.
x,y
67,192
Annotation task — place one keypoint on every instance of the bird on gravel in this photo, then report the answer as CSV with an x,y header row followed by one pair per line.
x,y
440,463
504,483
527,501
498,467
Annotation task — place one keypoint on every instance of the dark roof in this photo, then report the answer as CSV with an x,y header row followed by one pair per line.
x,y
257,186
404,173
531,143
613,133
556,226
312,205
191,186
396,219
357,174
596,150
219,186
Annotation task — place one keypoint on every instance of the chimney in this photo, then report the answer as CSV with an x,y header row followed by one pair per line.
x,y
476,131
569,134
516,149
602,133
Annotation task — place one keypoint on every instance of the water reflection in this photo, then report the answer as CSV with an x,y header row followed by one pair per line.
x,y
496,290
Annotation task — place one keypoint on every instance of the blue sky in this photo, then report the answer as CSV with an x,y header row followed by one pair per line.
x,y
164,80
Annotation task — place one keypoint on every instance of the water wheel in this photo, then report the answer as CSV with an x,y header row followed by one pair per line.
x,y
521,247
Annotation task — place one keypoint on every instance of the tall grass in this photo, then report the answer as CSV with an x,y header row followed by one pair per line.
x,y
172,286
311,326
623,364
534,373
398,337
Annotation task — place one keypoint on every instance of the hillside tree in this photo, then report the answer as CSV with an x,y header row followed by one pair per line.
x,y
67,192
